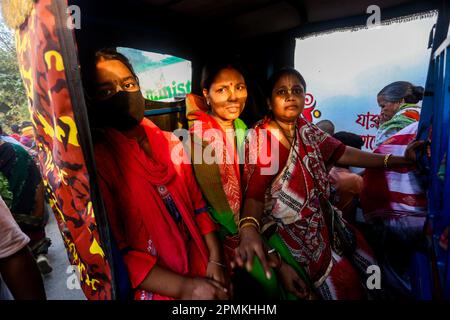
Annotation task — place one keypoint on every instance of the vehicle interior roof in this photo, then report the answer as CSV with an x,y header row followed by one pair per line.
x,y
261,32
184,26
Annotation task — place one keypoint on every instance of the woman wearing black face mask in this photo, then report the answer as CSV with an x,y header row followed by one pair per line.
x,y
156,212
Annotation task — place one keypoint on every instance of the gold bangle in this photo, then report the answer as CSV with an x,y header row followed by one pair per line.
x,y
249,224
249,218
386,159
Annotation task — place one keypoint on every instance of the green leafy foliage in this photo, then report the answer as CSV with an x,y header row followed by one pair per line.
x,y
13,99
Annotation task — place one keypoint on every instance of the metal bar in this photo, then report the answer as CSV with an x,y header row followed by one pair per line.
x,y
443,46
434,188
444,104
435,196
439,148
157,112
421,280
446,184
445,148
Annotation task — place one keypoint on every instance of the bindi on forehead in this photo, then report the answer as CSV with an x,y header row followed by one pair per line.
x,y
226,84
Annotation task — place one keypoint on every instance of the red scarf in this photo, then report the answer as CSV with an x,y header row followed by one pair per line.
x,y
139,176
397,192
230,174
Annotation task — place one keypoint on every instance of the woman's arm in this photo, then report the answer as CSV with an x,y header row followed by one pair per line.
x,y
213,244
357,158
216,269
171,284
22,276
251,242
164,282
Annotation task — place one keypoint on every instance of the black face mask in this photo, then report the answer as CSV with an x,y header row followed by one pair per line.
x,y
122,111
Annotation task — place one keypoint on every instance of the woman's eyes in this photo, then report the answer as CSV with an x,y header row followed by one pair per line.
x,y
297,91
226,89
294,91
104,93
130,85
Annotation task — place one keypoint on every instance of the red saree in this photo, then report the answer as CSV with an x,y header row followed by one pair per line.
x,y
219,181
134,189
210,132
291,202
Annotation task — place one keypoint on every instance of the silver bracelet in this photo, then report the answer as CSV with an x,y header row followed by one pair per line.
x,y
218,263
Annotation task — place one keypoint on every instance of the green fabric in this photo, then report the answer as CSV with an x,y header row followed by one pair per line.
x,y
23,177
277,243
397,123
272,286
210,182
18,176
5,193
241,131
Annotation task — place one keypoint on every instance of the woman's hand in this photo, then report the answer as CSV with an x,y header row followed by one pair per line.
x,y
250,245
274,259
203,289
410,152
292,282
218,273
216,270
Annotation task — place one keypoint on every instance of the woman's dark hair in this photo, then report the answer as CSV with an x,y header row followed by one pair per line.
x,y
396,91
270,84
212,68
15,128
88,74
255,106
89,68
349,139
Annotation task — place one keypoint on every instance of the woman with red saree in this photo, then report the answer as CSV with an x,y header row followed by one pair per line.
x,y
156,212
218,133
215,126
289,199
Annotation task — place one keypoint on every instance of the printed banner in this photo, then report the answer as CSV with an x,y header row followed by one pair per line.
x,y
61,159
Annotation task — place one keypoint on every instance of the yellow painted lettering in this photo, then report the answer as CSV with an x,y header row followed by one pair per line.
x,y
73,133
59,64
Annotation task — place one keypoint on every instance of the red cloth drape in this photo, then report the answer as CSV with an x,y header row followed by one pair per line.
x,y
143,228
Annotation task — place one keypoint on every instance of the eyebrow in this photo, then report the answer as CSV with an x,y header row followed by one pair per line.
x,y
110,82
225,84
294,86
